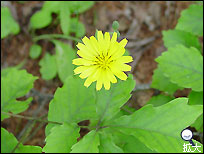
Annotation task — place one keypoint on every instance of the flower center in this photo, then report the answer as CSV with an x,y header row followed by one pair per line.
x,y
103,61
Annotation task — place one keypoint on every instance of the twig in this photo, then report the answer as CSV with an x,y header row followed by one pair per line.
x,y
52,36
142,87
141,42
31,118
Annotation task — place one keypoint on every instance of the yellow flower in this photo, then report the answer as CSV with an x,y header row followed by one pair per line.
x,y
101,60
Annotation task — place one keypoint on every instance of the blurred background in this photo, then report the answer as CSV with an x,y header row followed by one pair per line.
x,y
140,22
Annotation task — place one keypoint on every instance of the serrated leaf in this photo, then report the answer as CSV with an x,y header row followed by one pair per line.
x,y
15,84
16,107
65,19
109,102
8,24
40,19
9,142
48,66
64,56
159,100
61,138
77,27
72,103
163,83
159,128
174,37
191,20
35,51
88,144
107,144
184,66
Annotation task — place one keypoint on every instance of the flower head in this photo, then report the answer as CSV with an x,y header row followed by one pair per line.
x,y
101,60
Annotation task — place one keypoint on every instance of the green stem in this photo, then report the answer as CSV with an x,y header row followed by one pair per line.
x,y
52,36
39,120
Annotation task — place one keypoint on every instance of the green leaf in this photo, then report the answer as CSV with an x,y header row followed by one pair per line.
x,y
88,144
28,149
72,103
163,83
8,24
18,106
35,51
109,102
64,56
9,142
191,20
129,143
198,124
40,19
159,128
61,138
107,144
52,6
196,98
12,88
79,6
48,66
184,66
133,145
159,100
173,37
65,19
77,28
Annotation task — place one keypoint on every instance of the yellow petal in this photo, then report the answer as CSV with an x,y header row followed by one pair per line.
x,y
110,76
89,46
80,69
125,59
114,37
88,81
100,36
82,61
107,84
106,80
107,36
117,72
125,67
85,55
107,41
98,85
90,70
123,42
121,75
113,48
95,45
119,53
